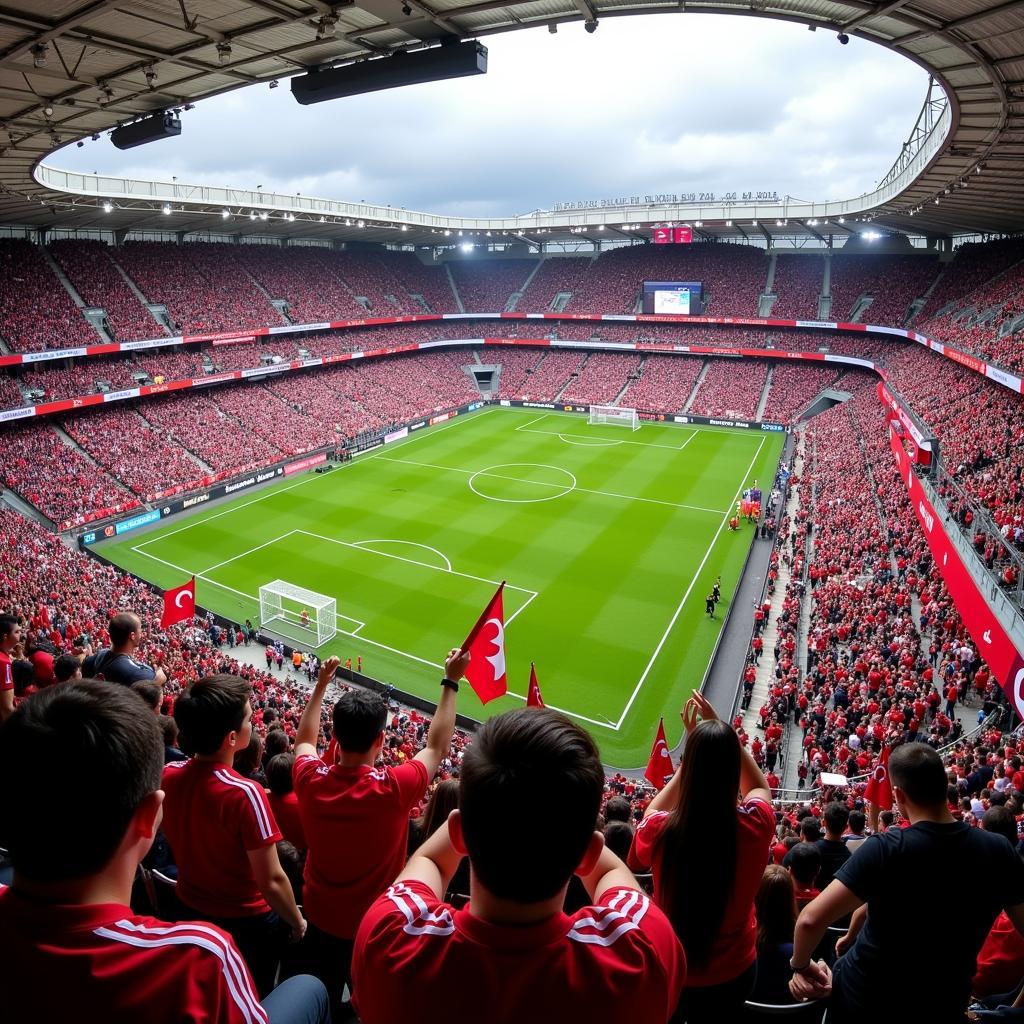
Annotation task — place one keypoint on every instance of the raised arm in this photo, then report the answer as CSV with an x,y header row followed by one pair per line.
x,y
309,723
434,863
442,725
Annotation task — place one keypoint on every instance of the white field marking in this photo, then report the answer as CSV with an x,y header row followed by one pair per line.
x,y
541,483
688,440
234,558
527,428
679,607
310,478
413,561
521,501
343,618
223,586
411,543
521,608
594,442
601,724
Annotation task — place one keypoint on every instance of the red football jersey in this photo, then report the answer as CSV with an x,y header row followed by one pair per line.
x,y
356,822
104,963
286,812
6,676
617,961
212,817
735,948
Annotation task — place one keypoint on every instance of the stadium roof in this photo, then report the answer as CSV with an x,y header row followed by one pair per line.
x,y
73,68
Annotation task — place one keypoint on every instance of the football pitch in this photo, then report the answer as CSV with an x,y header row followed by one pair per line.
x,y
609,540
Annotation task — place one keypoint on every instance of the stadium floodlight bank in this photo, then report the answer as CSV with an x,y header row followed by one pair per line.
x,y
612,415
304,616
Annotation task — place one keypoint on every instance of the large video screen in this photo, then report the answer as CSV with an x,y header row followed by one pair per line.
x,y
677,298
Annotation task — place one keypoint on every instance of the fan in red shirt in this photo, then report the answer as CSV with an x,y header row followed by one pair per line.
x,y
10,643
283,802
512,954
222,832
708,855
88,757
356,816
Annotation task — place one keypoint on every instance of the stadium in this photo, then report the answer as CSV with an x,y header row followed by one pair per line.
x,y
724,491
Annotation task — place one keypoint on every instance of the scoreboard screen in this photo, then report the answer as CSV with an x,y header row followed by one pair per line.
x,y
678,298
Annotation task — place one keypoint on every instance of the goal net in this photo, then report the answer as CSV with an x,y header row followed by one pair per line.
x,y
614,416
298,614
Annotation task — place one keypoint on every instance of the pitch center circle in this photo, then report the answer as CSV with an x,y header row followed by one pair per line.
x,y
501,483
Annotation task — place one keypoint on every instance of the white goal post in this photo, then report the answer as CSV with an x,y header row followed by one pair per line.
x,y
298,614
614,416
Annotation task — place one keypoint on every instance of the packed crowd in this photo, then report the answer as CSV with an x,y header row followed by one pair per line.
x,y
486,286
891,282
664,386
90,270
730,387
602,377
797,285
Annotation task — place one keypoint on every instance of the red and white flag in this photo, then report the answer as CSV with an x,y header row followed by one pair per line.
x,y
533,697
659,767
179,604
879,788
486,646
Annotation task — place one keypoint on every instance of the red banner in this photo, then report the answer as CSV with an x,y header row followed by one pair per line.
x,y
922,453
682,235
994,643
662,236
307,463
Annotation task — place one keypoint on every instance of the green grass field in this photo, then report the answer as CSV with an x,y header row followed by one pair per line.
x,y
609,539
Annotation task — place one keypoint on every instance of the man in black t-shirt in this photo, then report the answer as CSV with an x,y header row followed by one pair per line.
x,y
891,955
834,853
115,663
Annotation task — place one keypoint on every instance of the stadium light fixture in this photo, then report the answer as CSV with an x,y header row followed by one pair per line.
x,y
39,54
843,38
447,232
842,220
225,214
263,215
360,223
95,137
466,246
698,223
405,227
600,227
151,78
552,28
590,25
108,206
728,223
167,210
48,110
273,83
223,52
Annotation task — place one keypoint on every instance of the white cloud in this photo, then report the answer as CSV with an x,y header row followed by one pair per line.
x,y
664,103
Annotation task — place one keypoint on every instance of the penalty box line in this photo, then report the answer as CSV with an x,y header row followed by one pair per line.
x,y
355,633
358,624
527,428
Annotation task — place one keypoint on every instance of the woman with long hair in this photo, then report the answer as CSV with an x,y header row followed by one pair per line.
x,y
707,851
775,906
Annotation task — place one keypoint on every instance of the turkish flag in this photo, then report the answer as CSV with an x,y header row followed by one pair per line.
x,y
486,646
879,789
659,767
179,604
533,697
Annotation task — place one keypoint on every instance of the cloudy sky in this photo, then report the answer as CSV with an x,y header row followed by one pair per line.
x,y
654,104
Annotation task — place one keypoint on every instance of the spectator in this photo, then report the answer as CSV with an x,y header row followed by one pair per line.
x,y
804,864
75,850
150,692
708,855
775,905
283,801
222,831
512,952
356,816
855,837
618,837
65,667
834,852
169,729
885,944
115,663
10,648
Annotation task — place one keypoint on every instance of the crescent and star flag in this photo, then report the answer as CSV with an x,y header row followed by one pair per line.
x,y
879,788
179,604
486,646
533,697
659,767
